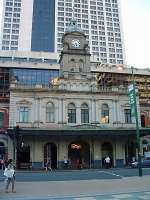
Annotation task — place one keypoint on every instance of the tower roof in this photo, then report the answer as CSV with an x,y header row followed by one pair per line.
x,y
73,27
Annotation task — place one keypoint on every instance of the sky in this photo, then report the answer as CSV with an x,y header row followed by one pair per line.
x,y
136,31
136,28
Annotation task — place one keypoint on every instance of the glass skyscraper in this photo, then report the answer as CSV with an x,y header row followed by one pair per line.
x,y
38,25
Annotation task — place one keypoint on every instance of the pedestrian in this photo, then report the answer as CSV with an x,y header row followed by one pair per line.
x,y
107,162
9,173
48,165
65,162
2,164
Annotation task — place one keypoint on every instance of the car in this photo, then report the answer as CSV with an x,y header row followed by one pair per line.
x,y
144,163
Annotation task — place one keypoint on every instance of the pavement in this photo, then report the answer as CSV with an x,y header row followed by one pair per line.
x,y
82,189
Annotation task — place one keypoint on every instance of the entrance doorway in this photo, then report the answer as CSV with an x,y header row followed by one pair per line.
x,y
143,120
50,155
107,150
23,157
79,155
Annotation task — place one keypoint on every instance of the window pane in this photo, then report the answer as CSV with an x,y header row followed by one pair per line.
x,y
105,114
24,114
71,115
50,117
1,119
127,113
84,116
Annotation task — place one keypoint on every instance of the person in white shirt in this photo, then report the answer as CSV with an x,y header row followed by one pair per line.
x,y
65,162
9,173
107,161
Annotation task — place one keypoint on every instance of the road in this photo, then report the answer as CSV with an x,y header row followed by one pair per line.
x,y
27,176
112,184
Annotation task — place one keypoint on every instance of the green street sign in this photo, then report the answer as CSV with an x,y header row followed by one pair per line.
x,y
132,99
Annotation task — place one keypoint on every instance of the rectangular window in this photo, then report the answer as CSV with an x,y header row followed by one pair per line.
x,y
84,116
1,119
24,114
127,113
71,116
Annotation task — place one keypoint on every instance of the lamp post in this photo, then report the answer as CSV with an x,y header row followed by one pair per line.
x,y
17,141
133,103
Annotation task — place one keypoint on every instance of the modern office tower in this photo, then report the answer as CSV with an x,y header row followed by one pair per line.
x,y
38,25
28,25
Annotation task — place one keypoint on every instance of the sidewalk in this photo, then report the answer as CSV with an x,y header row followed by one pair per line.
x,y
76,188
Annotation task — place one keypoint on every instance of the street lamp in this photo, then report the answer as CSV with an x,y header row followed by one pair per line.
x,y
133,103
17,141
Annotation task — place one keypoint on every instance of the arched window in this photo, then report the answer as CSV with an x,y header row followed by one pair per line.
x,y
105,114
81,65
50,114
84,113
71,113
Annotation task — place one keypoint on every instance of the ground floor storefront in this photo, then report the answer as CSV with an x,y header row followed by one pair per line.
x,y
73,149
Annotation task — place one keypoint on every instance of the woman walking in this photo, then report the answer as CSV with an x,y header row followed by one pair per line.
x,y
10,176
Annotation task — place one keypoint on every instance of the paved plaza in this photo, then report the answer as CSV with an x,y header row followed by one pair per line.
x,y
130,188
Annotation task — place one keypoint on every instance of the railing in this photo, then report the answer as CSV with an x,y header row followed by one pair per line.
x,y
39,124
64,87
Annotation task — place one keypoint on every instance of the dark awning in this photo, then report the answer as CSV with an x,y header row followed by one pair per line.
x,y
79,132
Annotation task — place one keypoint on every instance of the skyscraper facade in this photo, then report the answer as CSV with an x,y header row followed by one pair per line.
x,y
38,25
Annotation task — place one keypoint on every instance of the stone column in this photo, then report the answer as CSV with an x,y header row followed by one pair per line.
x,y
118,154
60,111
37,155
93,111
78,115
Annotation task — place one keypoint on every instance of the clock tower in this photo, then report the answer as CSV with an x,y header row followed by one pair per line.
x,y
75,56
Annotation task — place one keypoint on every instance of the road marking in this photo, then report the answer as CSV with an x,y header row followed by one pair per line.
x,y
85,198
111,173
122,196
145,197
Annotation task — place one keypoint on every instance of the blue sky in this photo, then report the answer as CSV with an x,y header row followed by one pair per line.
x,y
136,28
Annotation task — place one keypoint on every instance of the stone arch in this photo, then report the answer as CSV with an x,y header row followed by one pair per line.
x,y
79,154
145,146
107,150
50,154
3,150
23,157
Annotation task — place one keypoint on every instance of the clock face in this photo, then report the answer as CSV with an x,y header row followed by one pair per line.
x,y
75,43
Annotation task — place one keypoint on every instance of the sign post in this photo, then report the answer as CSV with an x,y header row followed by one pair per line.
x,y
134,114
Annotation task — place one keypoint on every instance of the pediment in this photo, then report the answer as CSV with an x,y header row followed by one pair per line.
x,y
86,126
126,105
24,102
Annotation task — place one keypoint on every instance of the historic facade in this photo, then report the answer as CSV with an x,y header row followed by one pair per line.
x,y
72,117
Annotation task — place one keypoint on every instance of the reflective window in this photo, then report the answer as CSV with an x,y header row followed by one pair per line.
x,y
105,114
50,115
43,26
84,113
71,113
32,77
24,114
127,115
1,119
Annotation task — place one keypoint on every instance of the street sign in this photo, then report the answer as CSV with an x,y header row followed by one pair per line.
x,y
132,99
